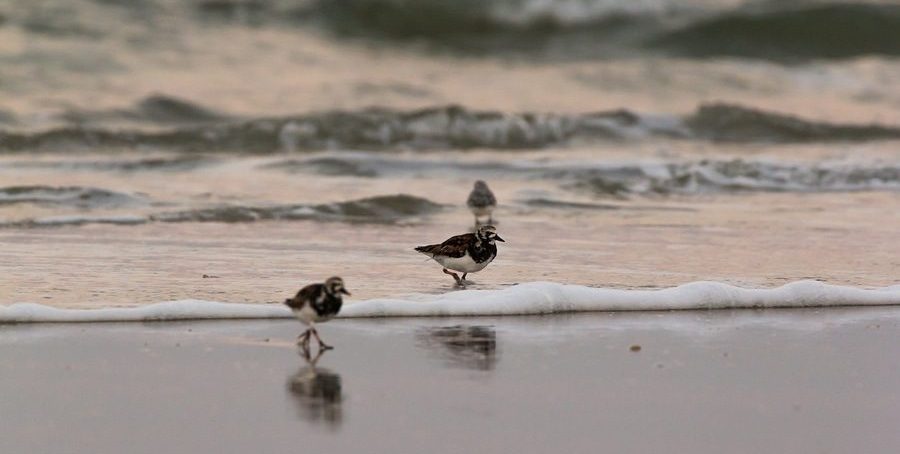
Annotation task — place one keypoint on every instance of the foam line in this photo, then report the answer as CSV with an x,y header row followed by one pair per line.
x,y
524,299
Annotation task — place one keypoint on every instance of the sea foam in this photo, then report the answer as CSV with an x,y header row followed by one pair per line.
x,y
524,299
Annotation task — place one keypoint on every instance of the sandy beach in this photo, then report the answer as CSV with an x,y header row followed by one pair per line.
x,y
702,382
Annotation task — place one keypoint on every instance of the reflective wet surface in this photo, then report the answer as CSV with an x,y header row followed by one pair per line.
x,y
738,382
463,346
317,392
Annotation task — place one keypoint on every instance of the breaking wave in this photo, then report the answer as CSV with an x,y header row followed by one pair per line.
x,y
704,176
735,176
450,127
523,299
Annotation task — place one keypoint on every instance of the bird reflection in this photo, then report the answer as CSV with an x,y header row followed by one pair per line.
x,y
317,392
468,347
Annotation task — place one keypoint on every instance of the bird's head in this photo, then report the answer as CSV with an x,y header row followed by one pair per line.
x,y
480,185
335,285
488,233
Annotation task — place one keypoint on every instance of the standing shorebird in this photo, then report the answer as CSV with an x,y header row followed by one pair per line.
x,y
482,202
467,253
317,303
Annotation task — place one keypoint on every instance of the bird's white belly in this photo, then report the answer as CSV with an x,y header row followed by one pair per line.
x,y
306,314
464,264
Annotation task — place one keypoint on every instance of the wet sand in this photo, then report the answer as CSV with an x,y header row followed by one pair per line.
x,y
702,382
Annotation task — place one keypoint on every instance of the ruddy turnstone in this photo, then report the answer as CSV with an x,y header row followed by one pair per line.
x,y
317,303
482,202
467,253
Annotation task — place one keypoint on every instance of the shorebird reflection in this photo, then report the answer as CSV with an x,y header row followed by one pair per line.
x,y
317,392
469,347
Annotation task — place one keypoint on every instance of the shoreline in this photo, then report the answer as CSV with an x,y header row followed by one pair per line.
x,y
528,299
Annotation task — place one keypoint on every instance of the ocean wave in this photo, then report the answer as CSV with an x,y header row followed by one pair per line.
x,y
157,109
450,127
602,178
532,298
790,30
387,208
736,175
378,209
561,29
582,30
602,29
74,196
442,127
371,165
733,123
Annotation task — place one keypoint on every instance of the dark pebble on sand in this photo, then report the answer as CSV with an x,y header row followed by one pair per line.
x,y
635,348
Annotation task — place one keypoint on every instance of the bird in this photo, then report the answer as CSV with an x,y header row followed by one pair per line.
x,y
317,303
482,202
466,253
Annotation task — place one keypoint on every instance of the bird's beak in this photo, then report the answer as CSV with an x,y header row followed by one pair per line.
x,y
499,239
344,291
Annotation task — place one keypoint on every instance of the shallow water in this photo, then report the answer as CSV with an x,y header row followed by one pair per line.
x,y
264,226
811,380
758,240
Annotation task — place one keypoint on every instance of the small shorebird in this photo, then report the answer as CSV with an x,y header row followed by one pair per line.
x,y
317,303
467,253
482,202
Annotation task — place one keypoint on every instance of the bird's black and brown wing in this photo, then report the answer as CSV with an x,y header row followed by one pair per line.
x,y
454,247
304,296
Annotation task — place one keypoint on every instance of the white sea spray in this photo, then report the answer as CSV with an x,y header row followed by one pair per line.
x,y
531,298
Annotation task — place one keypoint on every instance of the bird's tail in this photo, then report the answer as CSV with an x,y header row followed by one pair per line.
x,y
428,250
